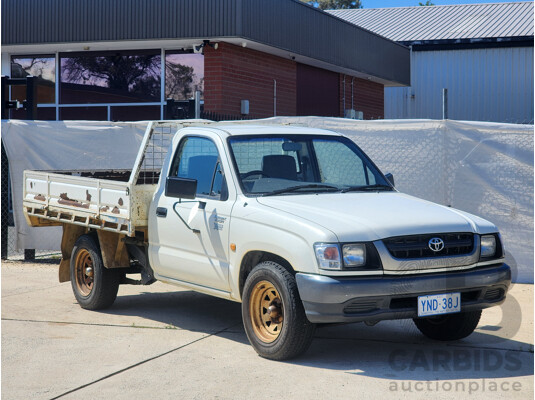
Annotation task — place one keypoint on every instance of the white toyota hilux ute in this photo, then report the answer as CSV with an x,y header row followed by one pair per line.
x,y
297,224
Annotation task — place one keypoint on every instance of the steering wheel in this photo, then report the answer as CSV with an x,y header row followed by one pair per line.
x,y
255,172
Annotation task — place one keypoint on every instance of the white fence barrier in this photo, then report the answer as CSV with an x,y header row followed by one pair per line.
x,y
482,168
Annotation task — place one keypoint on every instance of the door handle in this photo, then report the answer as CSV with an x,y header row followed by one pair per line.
x,y
161,212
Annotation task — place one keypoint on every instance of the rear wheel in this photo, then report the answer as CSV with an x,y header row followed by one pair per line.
x,y
95,287
449,327
273,314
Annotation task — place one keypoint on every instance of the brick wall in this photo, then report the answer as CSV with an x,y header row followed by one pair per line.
x,y
368,97
234,73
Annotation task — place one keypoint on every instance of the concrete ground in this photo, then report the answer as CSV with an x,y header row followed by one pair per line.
x,y
162,342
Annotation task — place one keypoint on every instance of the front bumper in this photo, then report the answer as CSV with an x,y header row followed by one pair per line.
x,y
336,299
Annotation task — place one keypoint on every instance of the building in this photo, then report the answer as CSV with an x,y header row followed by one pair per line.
x,y
482,53
122,60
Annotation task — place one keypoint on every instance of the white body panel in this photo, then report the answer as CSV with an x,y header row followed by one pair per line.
x,y
180,255
363,217
81,200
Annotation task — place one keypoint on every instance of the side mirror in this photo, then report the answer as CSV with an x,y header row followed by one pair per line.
x,y
182,188
390,178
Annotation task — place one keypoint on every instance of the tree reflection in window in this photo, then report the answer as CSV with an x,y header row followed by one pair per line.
x,y
184,74
42,67
110,77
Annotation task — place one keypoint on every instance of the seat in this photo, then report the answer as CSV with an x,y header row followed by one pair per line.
x,y
279,166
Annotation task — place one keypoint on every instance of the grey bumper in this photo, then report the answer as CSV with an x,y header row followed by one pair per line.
x,y
339,299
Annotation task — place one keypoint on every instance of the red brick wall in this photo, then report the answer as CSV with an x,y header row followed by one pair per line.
x,y
233,73
368,97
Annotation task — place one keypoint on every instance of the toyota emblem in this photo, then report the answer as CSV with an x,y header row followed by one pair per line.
x,y
436,244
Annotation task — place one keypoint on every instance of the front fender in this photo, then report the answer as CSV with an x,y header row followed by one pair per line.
x,y
264,230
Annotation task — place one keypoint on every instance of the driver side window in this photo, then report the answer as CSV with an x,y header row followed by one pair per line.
x,y
198,158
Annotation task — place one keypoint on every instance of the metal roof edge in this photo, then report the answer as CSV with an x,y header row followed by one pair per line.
x,y
447,44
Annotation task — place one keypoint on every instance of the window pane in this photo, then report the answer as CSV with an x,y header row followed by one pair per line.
x,y
338,164
110,77
250,154
184,74
83,113
44,68
135,113
196,159
220,186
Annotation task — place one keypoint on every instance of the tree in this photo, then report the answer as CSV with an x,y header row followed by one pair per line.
x,y
132,73
334,4
179,81
427,3
135,74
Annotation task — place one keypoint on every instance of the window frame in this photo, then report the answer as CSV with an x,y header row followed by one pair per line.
x,y
57,106
224,195
36,55
344,139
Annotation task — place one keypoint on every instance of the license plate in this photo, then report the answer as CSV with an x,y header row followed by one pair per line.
x,y
437,304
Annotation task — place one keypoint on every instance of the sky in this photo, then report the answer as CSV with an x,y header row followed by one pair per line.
x,y
408,3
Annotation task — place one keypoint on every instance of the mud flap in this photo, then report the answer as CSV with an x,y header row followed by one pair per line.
x,y
70,234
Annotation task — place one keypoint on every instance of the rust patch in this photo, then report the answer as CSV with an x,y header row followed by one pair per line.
x,y
105,208
31,185
39,197
121,201
74,203
64,199
87,195
115,210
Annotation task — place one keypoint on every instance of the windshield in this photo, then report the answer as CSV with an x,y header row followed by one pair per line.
x,y
297,164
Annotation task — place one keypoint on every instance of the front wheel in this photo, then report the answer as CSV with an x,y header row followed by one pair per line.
x,y
95,287
450,326
273,314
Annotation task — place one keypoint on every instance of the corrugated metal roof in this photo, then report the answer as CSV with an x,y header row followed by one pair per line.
x,y
466,21
288,26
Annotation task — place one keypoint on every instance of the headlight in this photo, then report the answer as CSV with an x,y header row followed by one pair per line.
x,y
488,246
354,255
328,256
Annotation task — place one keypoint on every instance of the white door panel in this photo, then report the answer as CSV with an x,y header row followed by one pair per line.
x,y
199,253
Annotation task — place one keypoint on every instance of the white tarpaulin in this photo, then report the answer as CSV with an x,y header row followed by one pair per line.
x,y
483,168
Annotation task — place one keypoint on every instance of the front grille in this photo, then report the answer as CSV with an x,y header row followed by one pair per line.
x,y
417,246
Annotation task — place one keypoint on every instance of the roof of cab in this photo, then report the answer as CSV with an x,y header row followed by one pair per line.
x,y
243,129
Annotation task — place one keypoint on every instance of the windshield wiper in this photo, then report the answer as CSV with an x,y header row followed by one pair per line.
x,y
295,188
376,186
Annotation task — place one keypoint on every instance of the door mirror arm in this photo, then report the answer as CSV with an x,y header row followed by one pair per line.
x,y
202,205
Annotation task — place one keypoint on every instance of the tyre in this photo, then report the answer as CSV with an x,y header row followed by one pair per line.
x,y
95,287
273,314
449,327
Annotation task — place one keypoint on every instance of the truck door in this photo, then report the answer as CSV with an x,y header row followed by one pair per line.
x,y
198,253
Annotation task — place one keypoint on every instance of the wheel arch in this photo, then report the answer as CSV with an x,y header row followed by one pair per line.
x,y
255,257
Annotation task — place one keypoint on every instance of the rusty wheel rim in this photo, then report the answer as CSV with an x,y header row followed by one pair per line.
x,y
84,272
266,311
